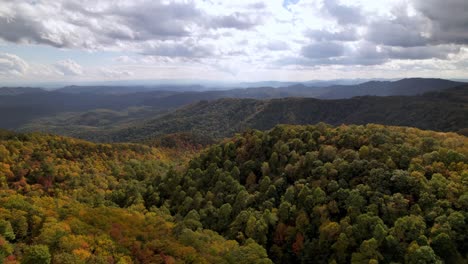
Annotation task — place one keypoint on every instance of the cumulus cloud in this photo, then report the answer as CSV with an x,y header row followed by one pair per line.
x,y
22,22
347,34
154,19
343,14
433,22
69,67
262,34
94,26
106,24
449,19
422,53
322,50
12,65
236,20
417,30
276,45
187,49
397,32
112,73
363,53
366,53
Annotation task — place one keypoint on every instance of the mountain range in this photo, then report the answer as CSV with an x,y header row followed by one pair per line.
x,y
22,107
443,111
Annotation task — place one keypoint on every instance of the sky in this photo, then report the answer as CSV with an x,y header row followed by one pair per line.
x,y
281,40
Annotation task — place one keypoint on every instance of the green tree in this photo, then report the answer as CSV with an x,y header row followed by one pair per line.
x,y
409,228
6,230
36,254
421,255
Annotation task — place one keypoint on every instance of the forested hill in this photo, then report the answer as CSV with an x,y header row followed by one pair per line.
x,y
294,194
318,194
11,91
64,200
443,111
410,86
20,107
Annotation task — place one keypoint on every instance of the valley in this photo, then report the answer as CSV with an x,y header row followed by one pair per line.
x,y
233,132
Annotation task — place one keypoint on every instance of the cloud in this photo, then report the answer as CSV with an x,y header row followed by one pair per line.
x,y
366,53
329,53
12,65
449,19
154,19
19,30
432,22
348,34
322,50
262,34
434,30
236,20
69,67
401,32
111,73
258,5
363,53
45,23
422,53
276,45
113,24
187,49
343,14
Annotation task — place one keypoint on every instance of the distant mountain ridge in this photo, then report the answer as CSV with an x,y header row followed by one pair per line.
x,y
20,107
19,90
104,89
442,111
323,90
412,86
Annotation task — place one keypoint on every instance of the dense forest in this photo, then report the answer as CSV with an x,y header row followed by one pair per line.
x,y
293,194
318,194
70,201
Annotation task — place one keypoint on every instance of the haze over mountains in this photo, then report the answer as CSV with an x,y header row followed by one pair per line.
x,y
135,113
442,111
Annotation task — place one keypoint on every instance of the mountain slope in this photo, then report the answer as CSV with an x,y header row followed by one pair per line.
x,y
411,86
9,91
104,89
319,194
443,111
70,201
21,109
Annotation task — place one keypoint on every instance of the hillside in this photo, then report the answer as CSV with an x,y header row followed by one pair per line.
x,y
442,111
27,107
318,194
64,200
10,91
411,86
126,89
21,109
310,194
